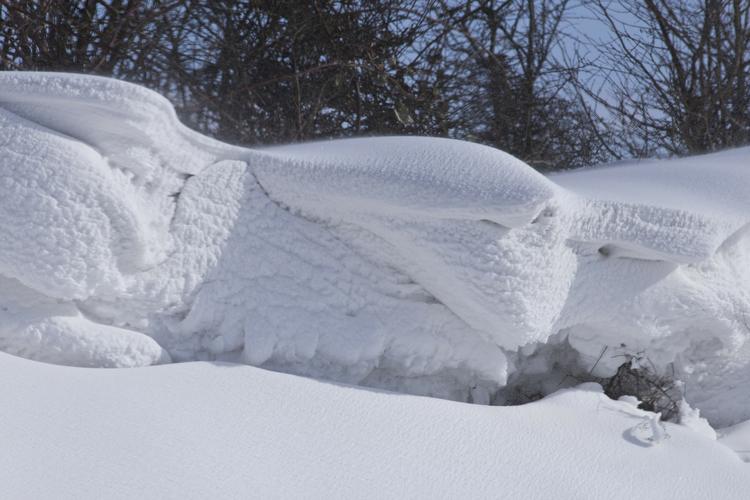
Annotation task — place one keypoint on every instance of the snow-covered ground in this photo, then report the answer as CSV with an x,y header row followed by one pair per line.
x,y
202,430
422,266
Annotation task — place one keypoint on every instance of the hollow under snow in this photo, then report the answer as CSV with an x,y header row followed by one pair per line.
x,y
426,266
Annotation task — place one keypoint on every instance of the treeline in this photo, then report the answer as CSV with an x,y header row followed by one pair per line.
x,y
656,77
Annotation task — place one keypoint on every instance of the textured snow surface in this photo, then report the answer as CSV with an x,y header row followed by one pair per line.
x,y
413,264
737,437
199,430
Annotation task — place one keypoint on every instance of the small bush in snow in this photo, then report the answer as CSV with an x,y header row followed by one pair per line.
x,y
637,377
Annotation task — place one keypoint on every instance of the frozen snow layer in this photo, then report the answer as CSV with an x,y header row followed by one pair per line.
x,y
40,328
412,264
200,430
442,212
69,223
136,128
402,177
713,184
698,202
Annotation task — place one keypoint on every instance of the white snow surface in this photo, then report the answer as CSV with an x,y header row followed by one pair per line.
x,y
413,264
737,437
203,430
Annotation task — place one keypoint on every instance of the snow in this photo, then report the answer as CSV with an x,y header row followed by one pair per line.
x,y
695,314
709,184
737,437
424,266
402,177
198,430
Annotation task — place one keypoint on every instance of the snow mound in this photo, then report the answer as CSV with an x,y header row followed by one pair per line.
x,y
204,430
405,177
737,438
413,264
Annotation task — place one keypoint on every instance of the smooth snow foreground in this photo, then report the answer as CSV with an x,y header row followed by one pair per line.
x,y
198,430
425,266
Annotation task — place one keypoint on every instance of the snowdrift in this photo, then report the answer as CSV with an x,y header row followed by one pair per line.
x,y
426,266
202,430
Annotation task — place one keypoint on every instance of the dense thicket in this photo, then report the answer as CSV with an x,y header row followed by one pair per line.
x,y
668,77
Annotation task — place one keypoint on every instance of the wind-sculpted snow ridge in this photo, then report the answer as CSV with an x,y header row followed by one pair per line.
x,y
414,264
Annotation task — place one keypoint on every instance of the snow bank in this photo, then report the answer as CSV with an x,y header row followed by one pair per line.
x,y
403,177
413,264
737,438
201,430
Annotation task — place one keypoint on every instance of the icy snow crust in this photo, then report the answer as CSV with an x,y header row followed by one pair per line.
x,y
419,265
